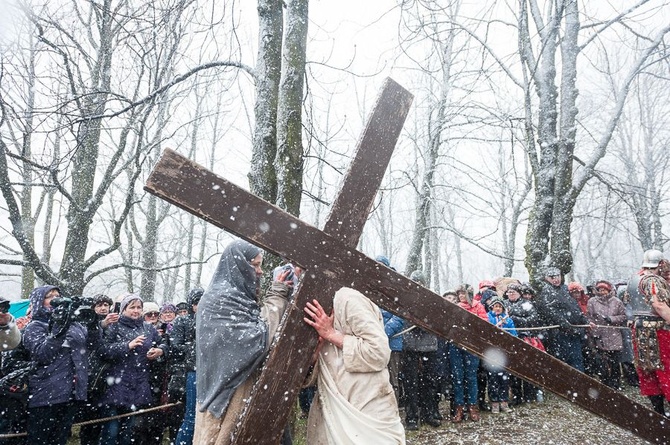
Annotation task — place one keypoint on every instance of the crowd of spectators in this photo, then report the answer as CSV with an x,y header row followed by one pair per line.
x,y
111,361
129,356
587,327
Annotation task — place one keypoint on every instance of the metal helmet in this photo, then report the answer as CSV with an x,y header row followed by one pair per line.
x,y
652,258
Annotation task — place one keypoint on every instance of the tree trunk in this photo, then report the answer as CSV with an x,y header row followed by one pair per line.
x,y
263,176
85,160
543,75
289,159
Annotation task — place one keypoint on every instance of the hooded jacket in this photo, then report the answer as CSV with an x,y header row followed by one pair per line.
x,y
609,306
473,306
129,371
60,363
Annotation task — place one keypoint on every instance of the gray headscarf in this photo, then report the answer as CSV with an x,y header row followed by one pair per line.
x,y
231,337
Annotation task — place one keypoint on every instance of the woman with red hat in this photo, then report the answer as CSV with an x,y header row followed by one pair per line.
x,y
606,311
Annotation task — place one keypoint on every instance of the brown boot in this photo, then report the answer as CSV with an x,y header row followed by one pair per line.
x,y
474,413
458,415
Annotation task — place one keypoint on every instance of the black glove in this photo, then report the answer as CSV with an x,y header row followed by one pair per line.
x,y
607,320
60,328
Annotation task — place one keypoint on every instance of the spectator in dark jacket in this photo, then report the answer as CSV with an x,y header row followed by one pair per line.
x,y
523,313
58,382
419,379
557,307
130,345
13,417
89,434
182,340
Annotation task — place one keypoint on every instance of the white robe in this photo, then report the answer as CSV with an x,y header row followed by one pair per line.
x,y
355,403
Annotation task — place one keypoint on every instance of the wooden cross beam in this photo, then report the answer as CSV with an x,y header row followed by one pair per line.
x,y
331,262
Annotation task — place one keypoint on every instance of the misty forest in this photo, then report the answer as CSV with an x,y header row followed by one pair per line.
x,y
538,133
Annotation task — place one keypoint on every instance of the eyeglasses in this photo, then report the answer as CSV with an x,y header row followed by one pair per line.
x,y
602,289
152,314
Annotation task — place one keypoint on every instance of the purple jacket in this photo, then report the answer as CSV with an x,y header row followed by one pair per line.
x,y
128,376
60,364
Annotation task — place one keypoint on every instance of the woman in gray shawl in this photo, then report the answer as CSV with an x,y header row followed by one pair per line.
x,y
233,334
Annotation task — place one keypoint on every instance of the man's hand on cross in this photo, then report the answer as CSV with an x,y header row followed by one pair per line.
x,y
323,323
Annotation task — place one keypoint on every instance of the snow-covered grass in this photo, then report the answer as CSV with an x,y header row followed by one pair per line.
x,y
555,421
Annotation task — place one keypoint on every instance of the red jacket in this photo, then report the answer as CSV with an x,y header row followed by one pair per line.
x,y
475,308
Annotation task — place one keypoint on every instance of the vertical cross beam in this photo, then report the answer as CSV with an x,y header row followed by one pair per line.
x,y
345,222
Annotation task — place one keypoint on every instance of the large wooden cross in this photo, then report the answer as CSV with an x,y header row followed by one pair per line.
x,y
331,261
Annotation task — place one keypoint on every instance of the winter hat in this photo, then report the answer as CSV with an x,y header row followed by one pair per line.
x,y
497,300
150,306
576,286
515,286
467,290
384,260
168,307
102,298
605,284
487,296
417,276
194,295
552,271
487,283
128,299
652,258
182,306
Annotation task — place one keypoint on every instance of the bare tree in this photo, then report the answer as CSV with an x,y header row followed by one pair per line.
x,y
557,183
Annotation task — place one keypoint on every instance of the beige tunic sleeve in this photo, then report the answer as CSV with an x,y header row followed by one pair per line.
x,y
366,347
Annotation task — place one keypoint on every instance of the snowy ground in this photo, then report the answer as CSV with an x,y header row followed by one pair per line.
x,y
554,421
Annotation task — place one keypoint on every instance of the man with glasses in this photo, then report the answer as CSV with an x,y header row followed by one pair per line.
x,y
557,308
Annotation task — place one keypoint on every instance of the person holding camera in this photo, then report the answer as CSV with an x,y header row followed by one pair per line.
x,y
89,434
10,336
58,343
130,346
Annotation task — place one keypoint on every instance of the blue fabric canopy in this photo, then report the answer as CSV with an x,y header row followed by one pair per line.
x,y
19,308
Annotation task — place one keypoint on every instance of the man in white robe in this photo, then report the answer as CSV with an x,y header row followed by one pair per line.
x,y
355,403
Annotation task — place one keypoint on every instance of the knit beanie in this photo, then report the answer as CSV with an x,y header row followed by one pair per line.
x,y
128,299
168,307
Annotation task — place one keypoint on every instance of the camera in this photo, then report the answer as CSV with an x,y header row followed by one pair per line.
x,y
72,309
4,306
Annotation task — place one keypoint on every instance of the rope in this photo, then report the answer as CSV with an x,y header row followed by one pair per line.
x,y
556,326
103,419
538,328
